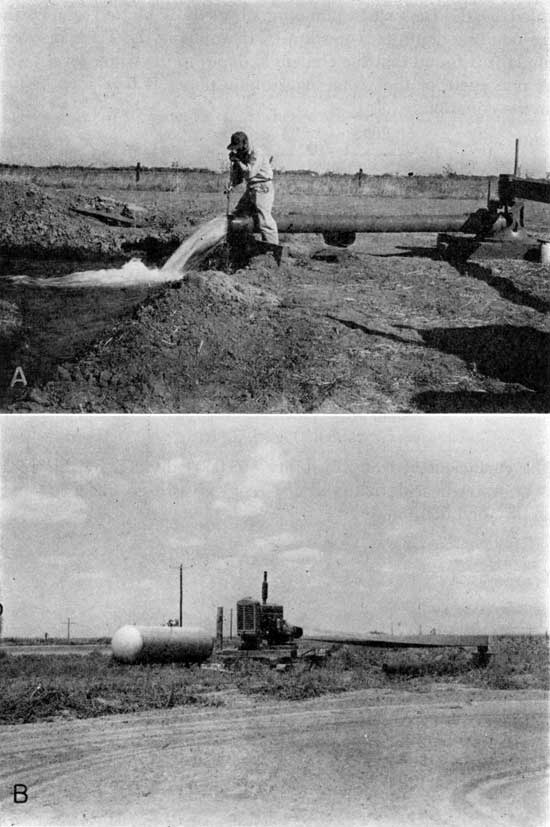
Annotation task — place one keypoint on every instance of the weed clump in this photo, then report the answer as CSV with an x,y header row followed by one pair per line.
x,y
518,662
40,687
344,671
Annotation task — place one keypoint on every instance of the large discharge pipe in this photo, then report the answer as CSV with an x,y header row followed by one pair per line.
x,y
329,222
405,641
413,642
168,644
533,189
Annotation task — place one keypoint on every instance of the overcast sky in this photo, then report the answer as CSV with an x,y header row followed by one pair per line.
x,y
390,86
361,522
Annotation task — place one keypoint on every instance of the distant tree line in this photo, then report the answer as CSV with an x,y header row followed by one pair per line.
x,y
447,172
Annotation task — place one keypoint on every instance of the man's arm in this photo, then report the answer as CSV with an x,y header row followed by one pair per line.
x,y
252,168
237,174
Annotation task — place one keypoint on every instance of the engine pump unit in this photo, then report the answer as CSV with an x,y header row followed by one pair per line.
x,y
263,623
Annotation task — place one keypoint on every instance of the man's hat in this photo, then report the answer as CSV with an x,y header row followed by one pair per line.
x,y
239,140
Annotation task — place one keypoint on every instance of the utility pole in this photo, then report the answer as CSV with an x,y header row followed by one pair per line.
x,y
68,630
181,595
180,619
190,566
219,628
231,624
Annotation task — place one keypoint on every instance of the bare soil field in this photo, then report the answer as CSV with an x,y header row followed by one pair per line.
x,y
382,326
456,756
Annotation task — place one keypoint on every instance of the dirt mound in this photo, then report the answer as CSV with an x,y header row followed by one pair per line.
x,y
210,342
34,222
228,288
377,334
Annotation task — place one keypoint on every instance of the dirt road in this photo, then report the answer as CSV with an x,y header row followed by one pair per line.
x,y
453,757
46,650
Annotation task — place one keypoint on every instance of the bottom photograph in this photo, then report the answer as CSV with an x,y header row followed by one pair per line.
x,y
274,620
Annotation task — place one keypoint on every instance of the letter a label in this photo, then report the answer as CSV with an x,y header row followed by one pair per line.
x,y
18,377
20,794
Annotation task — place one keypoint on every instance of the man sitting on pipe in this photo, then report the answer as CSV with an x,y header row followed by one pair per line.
x,y
253,166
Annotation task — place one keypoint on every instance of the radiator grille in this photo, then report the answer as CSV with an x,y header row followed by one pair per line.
x,y
248,617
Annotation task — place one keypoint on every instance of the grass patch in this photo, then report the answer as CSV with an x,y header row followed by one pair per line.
x,y
41,687
518,662
38,687
194,181
345,670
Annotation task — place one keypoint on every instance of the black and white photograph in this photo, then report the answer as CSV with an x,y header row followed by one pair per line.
x,y
274,621
326,206
274,413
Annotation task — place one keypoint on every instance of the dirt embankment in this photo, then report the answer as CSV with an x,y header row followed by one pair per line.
x,y
82,225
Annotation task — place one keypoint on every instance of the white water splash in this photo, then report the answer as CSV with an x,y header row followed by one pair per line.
x,y
198,244
135,272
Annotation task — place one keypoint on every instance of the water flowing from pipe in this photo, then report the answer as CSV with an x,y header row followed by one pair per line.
x,y
197,245
135,272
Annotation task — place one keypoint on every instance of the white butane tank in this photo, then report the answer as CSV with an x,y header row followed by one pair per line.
x,y
141,644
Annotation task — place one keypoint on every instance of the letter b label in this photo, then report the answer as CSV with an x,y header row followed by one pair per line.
x,y
20,793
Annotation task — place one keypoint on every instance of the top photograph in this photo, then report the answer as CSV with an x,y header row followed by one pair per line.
x,y
272,207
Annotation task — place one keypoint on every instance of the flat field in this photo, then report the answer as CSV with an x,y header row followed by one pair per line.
x,y
349,743
384,325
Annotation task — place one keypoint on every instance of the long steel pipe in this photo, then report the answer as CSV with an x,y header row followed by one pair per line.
x,y
404,641
330,222
531,189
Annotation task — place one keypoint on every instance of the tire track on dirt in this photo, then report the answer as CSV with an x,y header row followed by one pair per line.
x,y
332,760
479,796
